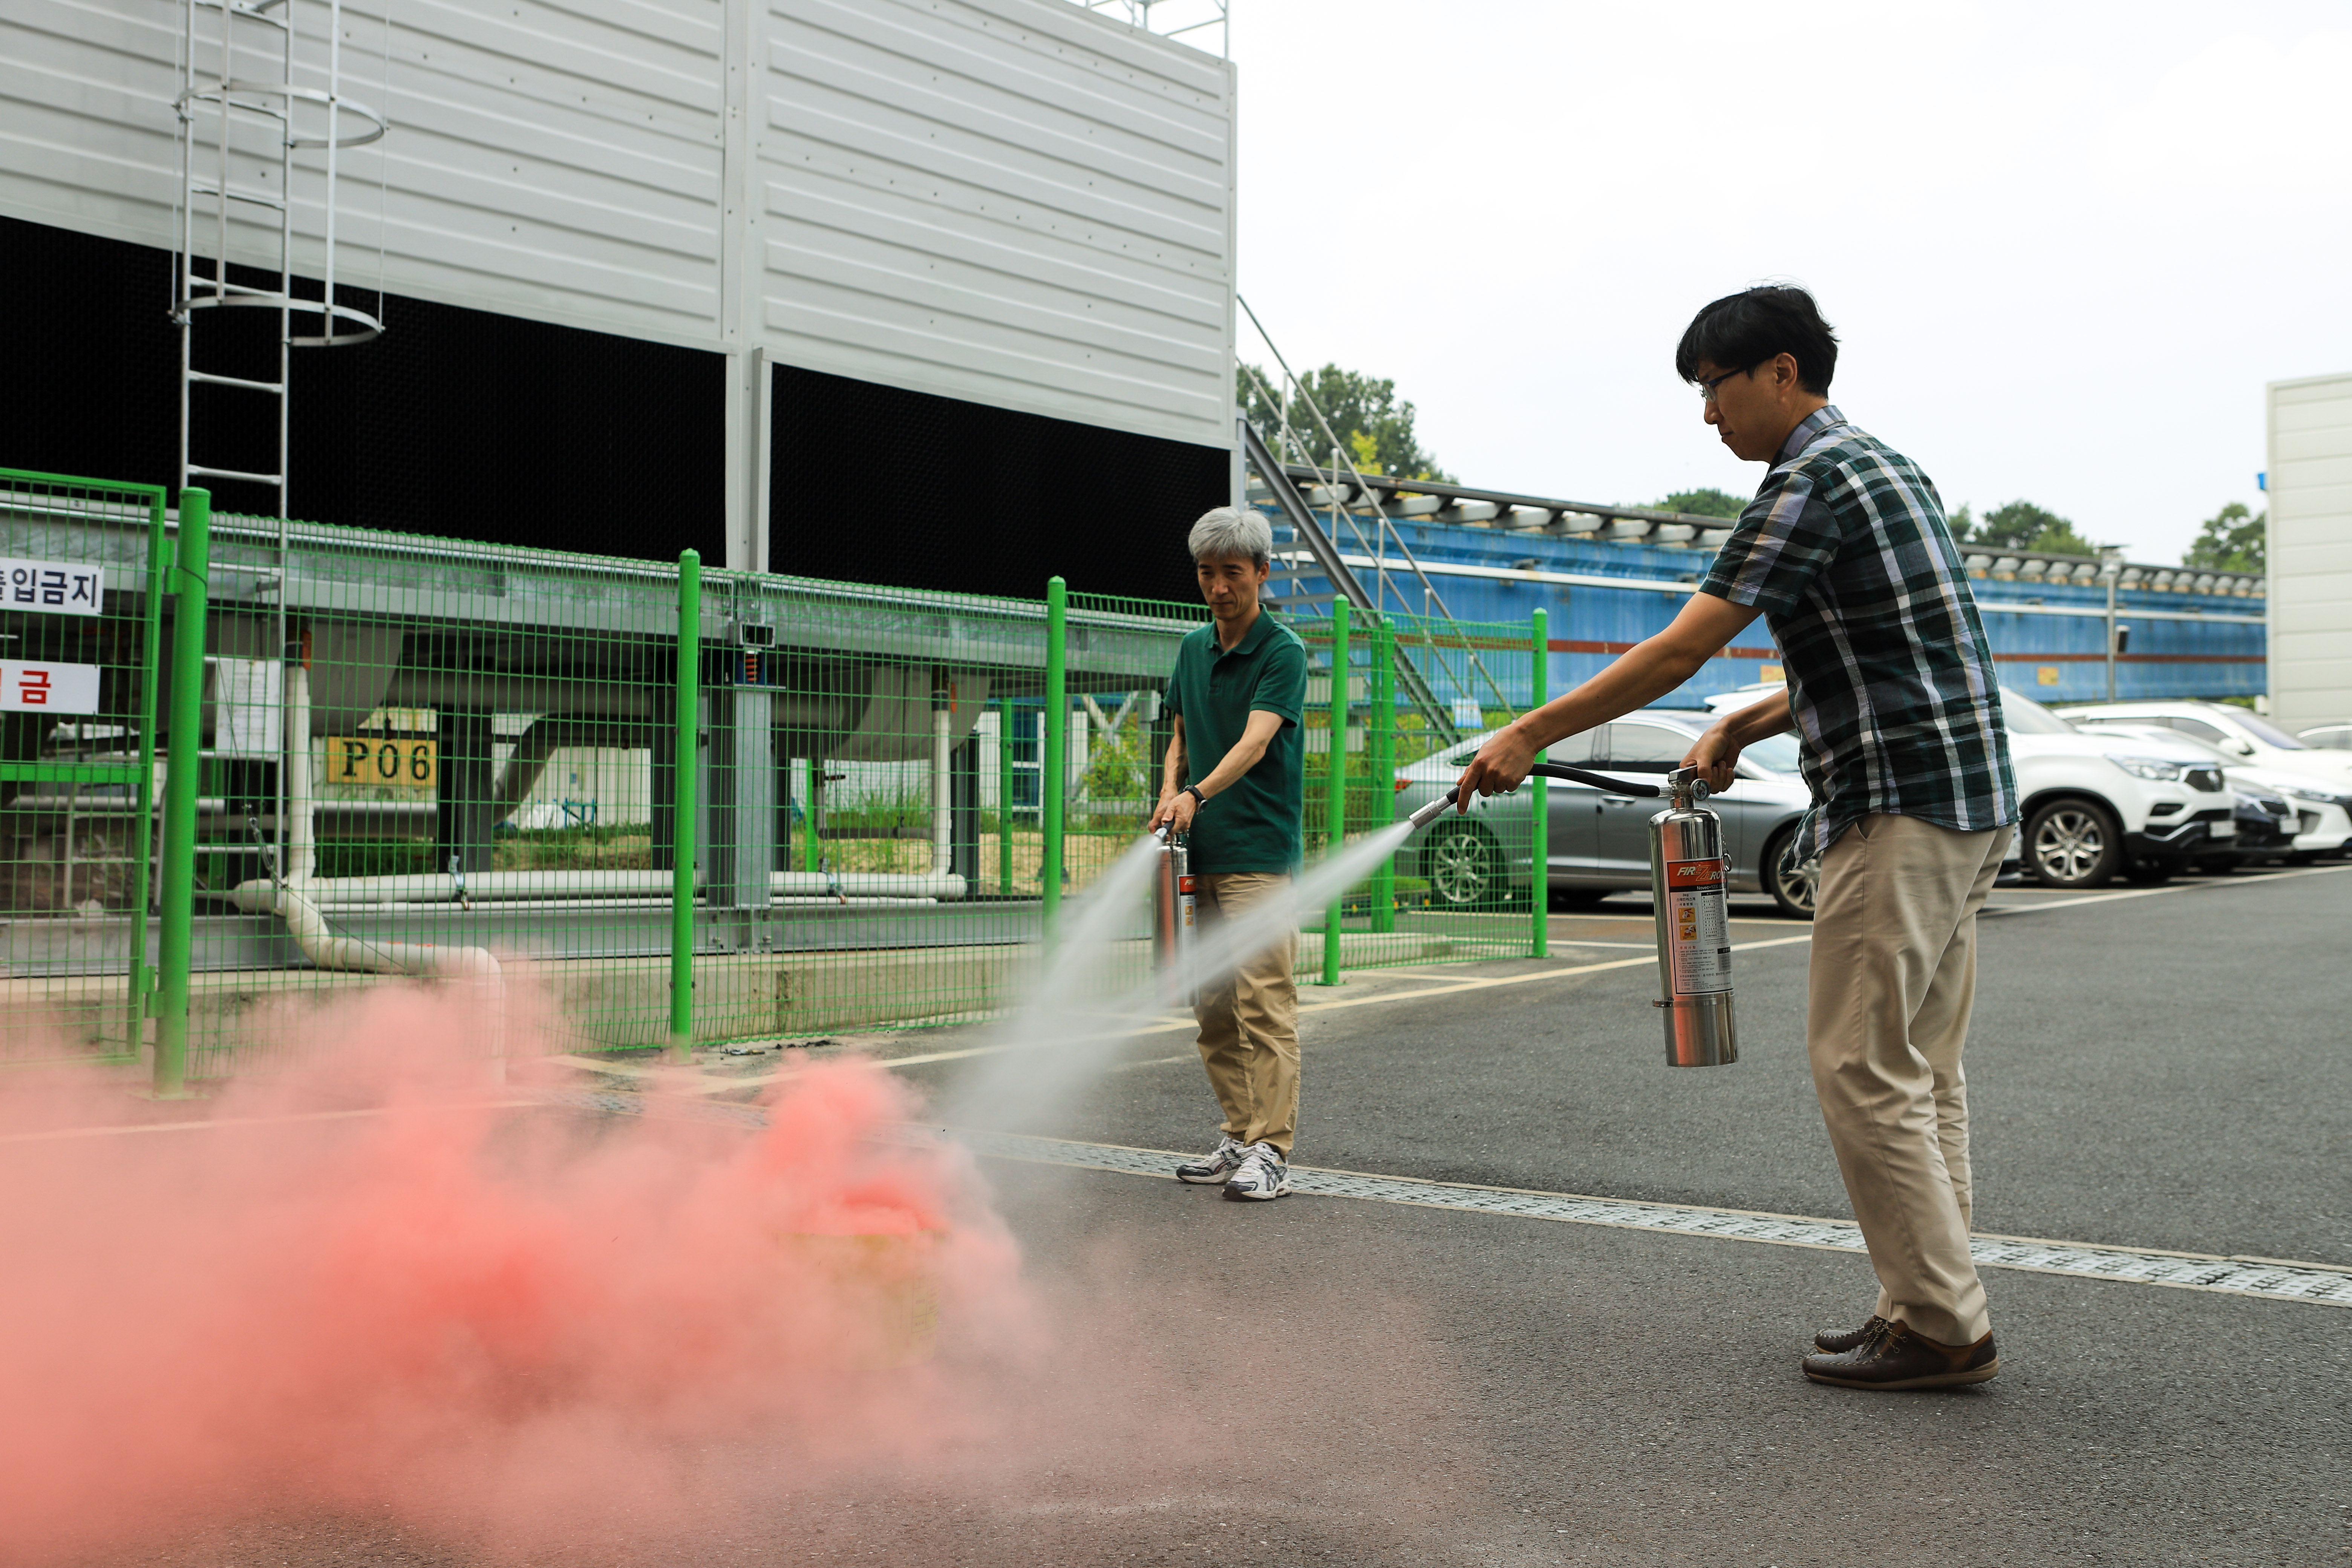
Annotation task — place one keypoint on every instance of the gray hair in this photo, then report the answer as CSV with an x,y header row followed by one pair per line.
x,y
1231,531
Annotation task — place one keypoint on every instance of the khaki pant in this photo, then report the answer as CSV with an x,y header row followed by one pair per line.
x,y
1249,1018
1894,978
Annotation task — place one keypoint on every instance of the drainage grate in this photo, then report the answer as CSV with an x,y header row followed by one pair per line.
x,y
2241,1277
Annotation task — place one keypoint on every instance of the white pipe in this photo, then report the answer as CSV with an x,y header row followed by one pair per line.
x,y
323,948
435,887
943,784
300,835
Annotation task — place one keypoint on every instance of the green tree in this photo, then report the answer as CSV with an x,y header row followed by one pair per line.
x,y
2021,525
1710,502
1364,412
2232,540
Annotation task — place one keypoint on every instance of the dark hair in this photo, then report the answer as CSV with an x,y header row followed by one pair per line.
x,y
1740,332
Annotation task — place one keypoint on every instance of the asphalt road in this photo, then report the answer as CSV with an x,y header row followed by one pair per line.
x,y
1325,1380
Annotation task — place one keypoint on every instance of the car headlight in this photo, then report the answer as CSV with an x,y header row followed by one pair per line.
x,y
2148,767
2317,797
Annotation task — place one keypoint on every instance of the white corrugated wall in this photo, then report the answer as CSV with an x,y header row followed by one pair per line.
x,y
2310,550
1012,202
1015,201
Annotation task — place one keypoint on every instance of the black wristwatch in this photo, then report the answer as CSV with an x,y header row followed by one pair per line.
x,y
1199,800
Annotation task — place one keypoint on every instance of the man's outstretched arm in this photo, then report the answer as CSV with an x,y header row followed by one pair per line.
x,y
1640,676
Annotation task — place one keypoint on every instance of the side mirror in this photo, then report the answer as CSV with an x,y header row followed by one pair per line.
x,y
2243,748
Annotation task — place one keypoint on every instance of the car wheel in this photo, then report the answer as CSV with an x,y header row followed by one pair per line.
x,y
1464,866
2072,844
1792,878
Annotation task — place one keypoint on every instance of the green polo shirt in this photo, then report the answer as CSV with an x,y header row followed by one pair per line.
x,y
1253,825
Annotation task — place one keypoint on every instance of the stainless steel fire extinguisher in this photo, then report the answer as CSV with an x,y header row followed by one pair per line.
x,y
1171,917
1687,873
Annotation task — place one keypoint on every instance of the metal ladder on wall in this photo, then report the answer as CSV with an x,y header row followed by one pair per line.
x,y
244,127
239,106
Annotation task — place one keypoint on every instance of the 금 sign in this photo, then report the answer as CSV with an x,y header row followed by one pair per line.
x,y
62,587
27,688
384,760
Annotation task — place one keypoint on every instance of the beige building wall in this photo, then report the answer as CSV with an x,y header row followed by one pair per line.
x,y
2311,550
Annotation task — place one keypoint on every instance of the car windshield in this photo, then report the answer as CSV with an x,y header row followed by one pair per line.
x,y
2263,730
2027,717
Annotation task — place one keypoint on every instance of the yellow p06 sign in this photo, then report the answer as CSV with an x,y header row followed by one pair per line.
x,y
383,760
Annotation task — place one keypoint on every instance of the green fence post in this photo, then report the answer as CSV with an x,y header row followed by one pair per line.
x,y
150,665
1335,825
192,565
1056,721
1005,795
689,716
1381,747
1538,814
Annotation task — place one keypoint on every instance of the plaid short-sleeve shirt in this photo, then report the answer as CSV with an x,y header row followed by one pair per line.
x,y
1891,677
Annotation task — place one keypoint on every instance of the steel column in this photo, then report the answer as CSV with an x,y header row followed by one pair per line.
x,y
681,888
1051,783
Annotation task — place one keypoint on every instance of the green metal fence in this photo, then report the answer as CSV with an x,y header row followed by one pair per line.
x,y
657,804
1405,911
80,599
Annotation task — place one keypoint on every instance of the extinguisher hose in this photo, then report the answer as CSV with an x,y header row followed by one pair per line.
x,y
1598,781
1438,807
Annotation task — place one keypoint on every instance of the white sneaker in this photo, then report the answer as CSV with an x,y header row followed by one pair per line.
x,y
1264,1175
1216,1168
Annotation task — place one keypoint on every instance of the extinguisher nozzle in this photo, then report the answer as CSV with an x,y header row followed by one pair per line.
x,y
1434,809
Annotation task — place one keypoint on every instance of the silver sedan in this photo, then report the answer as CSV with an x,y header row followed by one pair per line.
x,y
1600,841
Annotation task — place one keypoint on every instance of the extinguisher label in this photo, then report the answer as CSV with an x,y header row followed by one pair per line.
x,y
1698,930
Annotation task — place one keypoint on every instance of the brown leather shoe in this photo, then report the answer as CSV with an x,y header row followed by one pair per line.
x,y
1894,1357
1837,1342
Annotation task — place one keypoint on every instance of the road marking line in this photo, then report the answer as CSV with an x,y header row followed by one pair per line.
x,y
2271,1279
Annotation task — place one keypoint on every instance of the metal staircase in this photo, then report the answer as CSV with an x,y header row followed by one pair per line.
x,y
1324,542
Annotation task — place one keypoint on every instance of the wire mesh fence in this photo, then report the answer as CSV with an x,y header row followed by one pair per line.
x,y
1461,889
674,807
80,565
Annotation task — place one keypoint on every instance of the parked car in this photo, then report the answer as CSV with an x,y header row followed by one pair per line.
x,y
1600,840
2317,821
2327,737
2246,735
2095,807
2269,820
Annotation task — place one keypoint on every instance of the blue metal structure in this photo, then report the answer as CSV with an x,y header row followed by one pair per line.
x,y
2049,636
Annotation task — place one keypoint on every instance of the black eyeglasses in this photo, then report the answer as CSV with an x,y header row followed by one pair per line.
x,y
1708,384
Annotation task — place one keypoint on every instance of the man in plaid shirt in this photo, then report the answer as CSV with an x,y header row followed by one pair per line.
x,y
1846,554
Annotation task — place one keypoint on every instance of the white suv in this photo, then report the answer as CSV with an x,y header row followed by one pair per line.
x,y
2316,819
2098,806
2324,775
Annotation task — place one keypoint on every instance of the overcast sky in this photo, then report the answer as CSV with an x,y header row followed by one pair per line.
x,y
2064,244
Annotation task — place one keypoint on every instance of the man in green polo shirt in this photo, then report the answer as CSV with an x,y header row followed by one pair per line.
x,y
1234,783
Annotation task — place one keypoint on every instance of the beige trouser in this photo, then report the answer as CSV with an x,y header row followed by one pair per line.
x,y
1894,978
1249,1018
